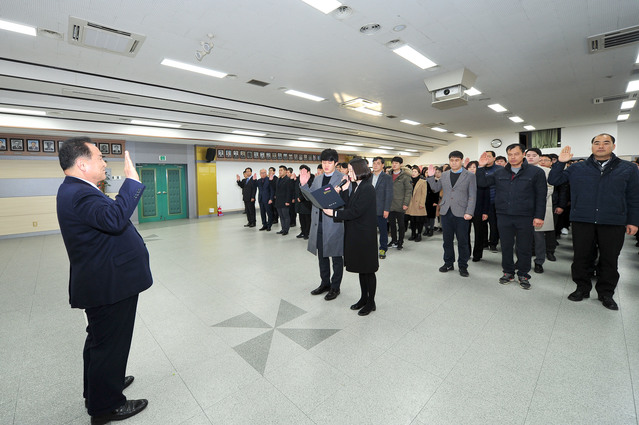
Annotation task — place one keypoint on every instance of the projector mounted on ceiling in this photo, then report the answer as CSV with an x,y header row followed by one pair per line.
x,y
448,90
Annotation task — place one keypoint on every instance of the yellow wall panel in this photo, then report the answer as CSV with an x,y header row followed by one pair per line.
x,y
35,169
206,187
28,205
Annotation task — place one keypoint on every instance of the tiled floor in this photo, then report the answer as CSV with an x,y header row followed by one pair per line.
x,y
229,334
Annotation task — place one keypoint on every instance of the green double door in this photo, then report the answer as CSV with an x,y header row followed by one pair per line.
x,y
165,196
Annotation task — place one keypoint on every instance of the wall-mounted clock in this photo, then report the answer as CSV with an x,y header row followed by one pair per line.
x,y
495,143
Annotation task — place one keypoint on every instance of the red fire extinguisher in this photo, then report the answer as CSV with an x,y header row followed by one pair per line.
x,y
219,211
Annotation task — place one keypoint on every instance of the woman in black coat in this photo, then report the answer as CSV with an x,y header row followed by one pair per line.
x,y
360,232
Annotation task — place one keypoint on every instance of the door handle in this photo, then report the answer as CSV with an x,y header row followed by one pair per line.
x,y
162,193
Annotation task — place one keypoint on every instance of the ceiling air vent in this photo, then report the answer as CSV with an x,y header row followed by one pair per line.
x,y
342,12
95,36
258,83
610,40
600,100
369,29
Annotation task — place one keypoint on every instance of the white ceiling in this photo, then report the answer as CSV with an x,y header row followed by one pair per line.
x,y
529,55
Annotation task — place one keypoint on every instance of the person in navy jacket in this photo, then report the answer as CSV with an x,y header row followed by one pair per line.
x,y
604,198
249,188
265,199
109,267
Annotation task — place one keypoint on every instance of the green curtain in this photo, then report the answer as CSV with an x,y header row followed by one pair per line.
x,y
545,138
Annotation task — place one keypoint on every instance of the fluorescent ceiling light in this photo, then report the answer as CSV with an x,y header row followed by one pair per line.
x,y
497,107
249,133
301,144
529,127
348,148
637,61
623,117
368,111
414,57
193,68
22,111
628,104
22,29
354,144
409,122
385,147
304,95
515,119
379,151
412,150
405,154
441,130
155,123
460,135
472,91
310,139
632,86
324,6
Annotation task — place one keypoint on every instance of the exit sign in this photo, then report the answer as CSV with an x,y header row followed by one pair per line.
x,y
162,157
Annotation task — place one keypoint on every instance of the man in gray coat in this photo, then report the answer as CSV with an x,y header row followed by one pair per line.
x,y
383,184
326,238
456,210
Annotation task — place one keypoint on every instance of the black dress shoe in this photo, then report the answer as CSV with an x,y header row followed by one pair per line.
x,y
320,290
539,268
367,309
463,272
263,228
331,295
268,229
128,380
284,233
128,409
412,237
252,225
280,232
551,256
476,259
578,295
247,225
608,302
418,238
300,236
446,268
305,237
359,304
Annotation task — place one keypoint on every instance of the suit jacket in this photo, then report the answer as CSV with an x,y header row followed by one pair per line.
x,y
383,192
332,232
461,198
108,258
249,189
283,193
265,195
302,205
360,229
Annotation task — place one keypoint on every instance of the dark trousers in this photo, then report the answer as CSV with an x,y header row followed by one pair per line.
x,y
455,227
544,242
305,223
266,214
417,224
479,227
382,225
521,228
285,218
396,220
325,264
249,207
493,235
609,240
292,214
106,351
274,213
368,286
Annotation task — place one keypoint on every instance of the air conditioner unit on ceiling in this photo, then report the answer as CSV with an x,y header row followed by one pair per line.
x,y
95,36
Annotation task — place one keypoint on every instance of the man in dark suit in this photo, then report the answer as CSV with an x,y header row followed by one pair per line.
x,y
456,210
283,196
109,268
272,178
265,199
383,184
249,188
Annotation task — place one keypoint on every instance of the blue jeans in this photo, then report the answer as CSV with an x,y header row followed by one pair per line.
x,y
382,225
452,227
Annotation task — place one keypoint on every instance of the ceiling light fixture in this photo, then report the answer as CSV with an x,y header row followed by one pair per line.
x,y
385,147
324,6
412,150
497,107
22,111
365,110
441,130
348,148
472,91
632,86
193,68
19,28
414,57
155,123
637,61
354,144
310,139
529,127
623,117
515,119
304,95
461,135
249,133
409,122
628,104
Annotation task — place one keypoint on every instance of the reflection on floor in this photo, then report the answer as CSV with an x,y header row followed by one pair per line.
x,y
229,334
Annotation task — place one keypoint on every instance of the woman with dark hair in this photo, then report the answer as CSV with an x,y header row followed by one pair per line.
x,y
479,223
417,206
360,232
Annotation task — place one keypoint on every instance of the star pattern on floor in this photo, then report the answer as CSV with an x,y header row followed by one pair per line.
x,y
256,350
